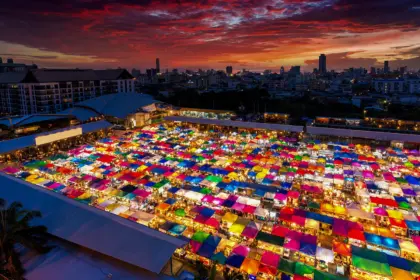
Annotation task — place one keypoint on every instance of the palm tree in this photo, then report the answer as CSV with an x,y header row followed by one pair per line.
x,y
15,231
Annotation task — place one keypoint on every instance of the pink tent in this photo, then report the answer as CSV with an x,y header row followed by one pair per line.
x,y
249,209
241,250
293,194
270,259
298,220
218,201
195,246
380,211
280,231
280,196
207,198
292,245
238,206
368,174
10,170
212,222
141,193
250,232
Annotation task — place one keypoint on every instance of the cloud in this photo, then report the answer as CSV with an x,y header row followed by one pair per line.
x,y
209,32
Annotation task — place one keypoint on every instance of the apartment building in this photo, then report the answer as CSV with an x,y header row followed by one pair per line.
x,y
54,90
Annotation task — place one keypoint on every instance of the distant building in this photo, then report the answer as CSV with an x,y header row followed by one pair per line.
x,y
151,72
54,90
413,85
229,70
403,70
295,70
135,72
282,70
389,85
267,72
386,66
322,64
157,65
10,66
372,70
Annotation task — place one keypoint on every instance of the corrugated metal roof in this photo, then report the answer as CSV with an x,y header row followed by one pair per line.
x,y
92,228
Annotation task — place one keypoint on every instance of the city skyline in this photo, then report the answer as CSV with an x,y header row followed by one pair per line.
x,y
255,35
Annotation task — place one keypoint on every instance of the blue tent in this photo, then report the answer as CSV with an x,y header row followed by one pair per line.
x,y
207,212
413,225
206,250
213,240
170,201
173,190
399,262
235,260
320,218
308,249
412,180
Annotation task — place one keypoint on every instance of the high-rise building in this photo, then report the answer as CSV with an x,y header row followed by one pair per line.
x,y
322,64
282,70
295,70
403,69
229,70
157,65
372,70
386,66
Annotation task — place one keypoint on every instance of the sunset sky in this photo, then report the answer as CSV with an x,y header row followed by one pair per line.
x,y
252,34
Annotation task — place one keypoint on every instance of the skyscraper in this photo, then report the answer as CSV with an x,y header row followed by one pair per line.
x,y
157,65
282,70
322,64
386,66
229,70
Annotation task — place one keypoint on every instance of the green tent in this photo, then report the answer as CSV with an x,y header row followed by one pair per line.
x,y
314,205
269,238
36,164
321,275
415,268
371,266
180,212
200,236
205,191
214,179
404,205
287,266
303,269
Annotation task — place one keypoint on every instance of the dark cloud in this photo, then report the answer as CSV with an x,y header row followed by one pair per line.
x,y
135,31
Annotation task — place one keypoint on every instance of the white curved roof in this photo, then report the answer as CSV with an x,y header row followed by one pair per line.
x,y
118,105
82,114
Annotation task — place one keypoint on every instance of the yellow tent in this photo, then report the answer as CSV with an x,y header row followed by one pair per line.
x,y
229,218
401,274
395,214
237,228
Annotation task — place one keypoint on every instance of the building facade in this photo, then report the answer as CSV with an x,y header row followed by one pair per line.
x,y
389,85
322,64
54,90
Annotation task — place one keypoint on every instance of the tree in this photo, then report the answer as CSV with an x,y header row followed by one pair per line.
x,y
16,230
